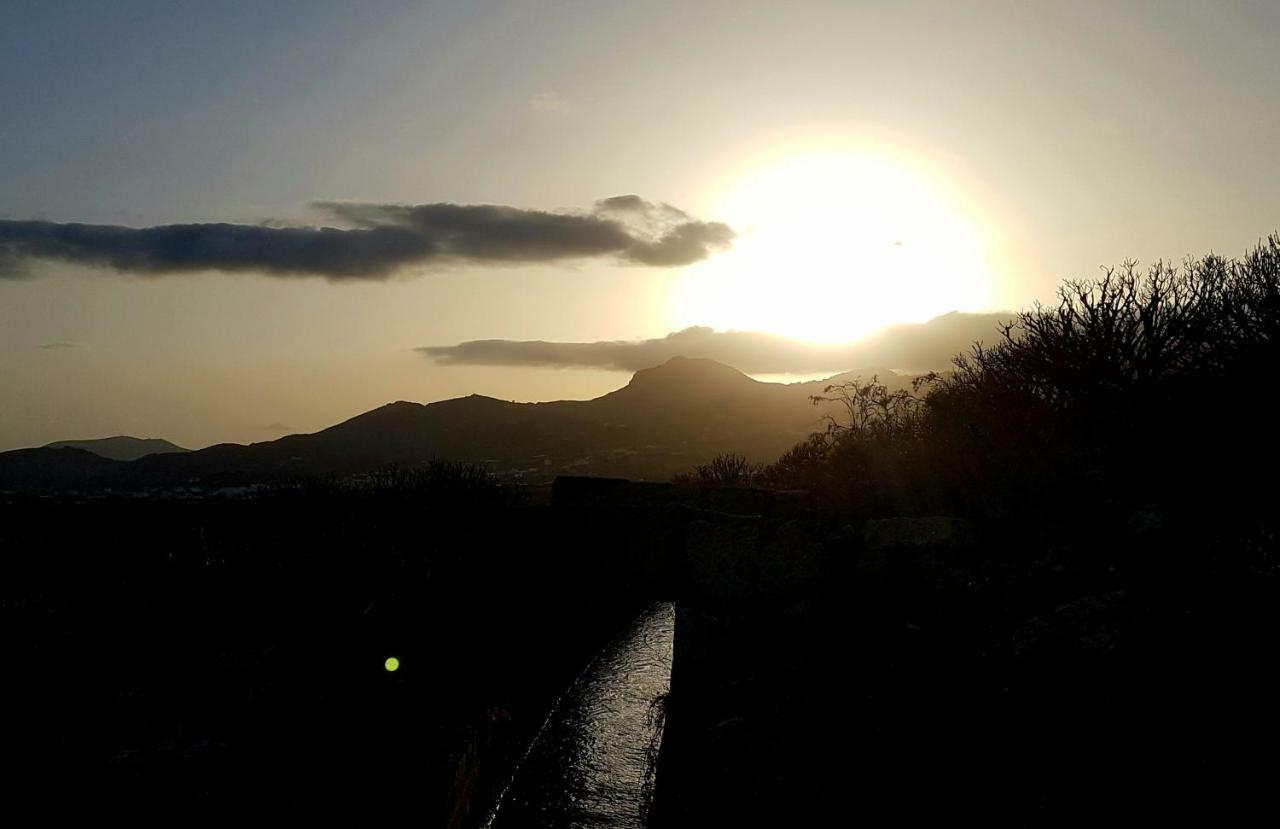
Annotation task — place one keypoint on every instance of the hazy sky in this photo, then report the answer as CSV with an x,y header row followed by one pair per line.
x,y
878,163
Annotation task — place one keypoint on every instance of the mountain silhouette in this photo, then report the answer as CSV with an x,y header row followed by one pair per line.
x,y
58,469
120,448
665,420
686,378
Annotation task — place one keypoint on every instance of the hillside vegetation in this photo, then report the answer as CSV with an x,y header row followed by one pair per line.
x,y
1136,389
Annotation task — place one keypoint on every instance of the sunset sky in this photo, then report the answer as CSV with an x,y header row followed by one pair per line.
x,y
808,170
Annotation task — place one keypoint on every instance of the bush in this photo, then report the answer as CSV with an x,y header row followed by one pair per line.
x,y
725,470
856,463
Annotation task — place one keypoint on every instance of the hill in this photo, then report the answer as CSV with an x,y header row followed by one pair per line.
x,y
665,420
120,448
57,469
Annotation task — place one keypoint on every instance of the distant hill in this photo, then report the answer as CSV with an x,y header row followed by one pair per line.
x,y
665,420
120,448
57,469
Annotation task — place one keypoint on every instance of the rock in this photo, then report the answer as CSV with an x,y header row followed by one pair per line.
x,y
923,550
932,532
1144,522
1088,627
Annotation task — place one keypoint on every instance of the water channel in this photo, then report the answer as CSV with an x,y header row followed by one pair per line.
x,y
594,761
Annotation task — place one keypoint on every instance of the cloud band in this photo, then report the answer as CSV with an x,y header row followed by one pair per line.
x,y
378,241
913,347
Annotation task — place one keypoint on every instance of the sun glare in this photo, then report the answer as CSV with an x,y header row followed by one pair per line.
x,y
835,245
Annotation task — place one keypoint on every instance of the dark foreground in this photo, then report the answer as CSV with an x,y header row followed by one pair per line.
x,y
210,662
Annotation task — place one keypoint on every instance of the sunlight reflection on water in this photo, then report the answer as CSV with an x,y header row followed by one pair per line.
x,y
594,761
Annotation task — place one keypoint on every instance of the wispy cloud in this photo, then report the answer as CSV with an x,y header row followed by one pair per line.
x,y
57,346
913,347
377,240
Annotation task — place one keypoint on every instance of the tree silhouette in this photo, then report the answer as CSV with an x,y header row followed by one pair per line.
x,y
1139,386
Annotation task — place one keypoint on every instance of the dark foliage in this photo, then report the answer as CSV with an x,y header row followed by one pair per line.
x,y
724,470
205,661
1135,388
439,484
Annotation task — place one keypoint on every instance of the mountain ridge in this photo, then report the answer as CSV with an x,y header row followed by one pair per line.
x,y
120,447
666,419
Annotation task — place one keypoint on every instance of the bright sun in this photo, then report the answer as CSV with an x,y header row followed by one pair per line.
x,y
835,245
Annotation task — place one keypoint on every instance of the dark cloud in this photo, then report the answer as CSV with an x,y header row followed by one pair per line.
x,y
57,346
635,206
379,240
667,236
913,347
685,243
623,204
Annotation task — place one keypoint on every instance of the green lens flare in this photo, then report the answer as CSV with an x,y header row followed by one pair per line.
x,y
392,664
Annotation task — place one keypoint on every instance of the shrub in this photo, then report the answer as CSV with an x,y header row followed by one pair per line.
x,y
724,470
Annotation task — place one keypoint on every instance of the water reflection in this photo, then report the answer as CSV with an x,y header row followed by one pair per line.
x,y
593,762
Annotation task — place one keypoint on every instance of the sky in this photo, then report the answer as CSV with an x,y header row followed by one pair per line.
x,y
808,170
